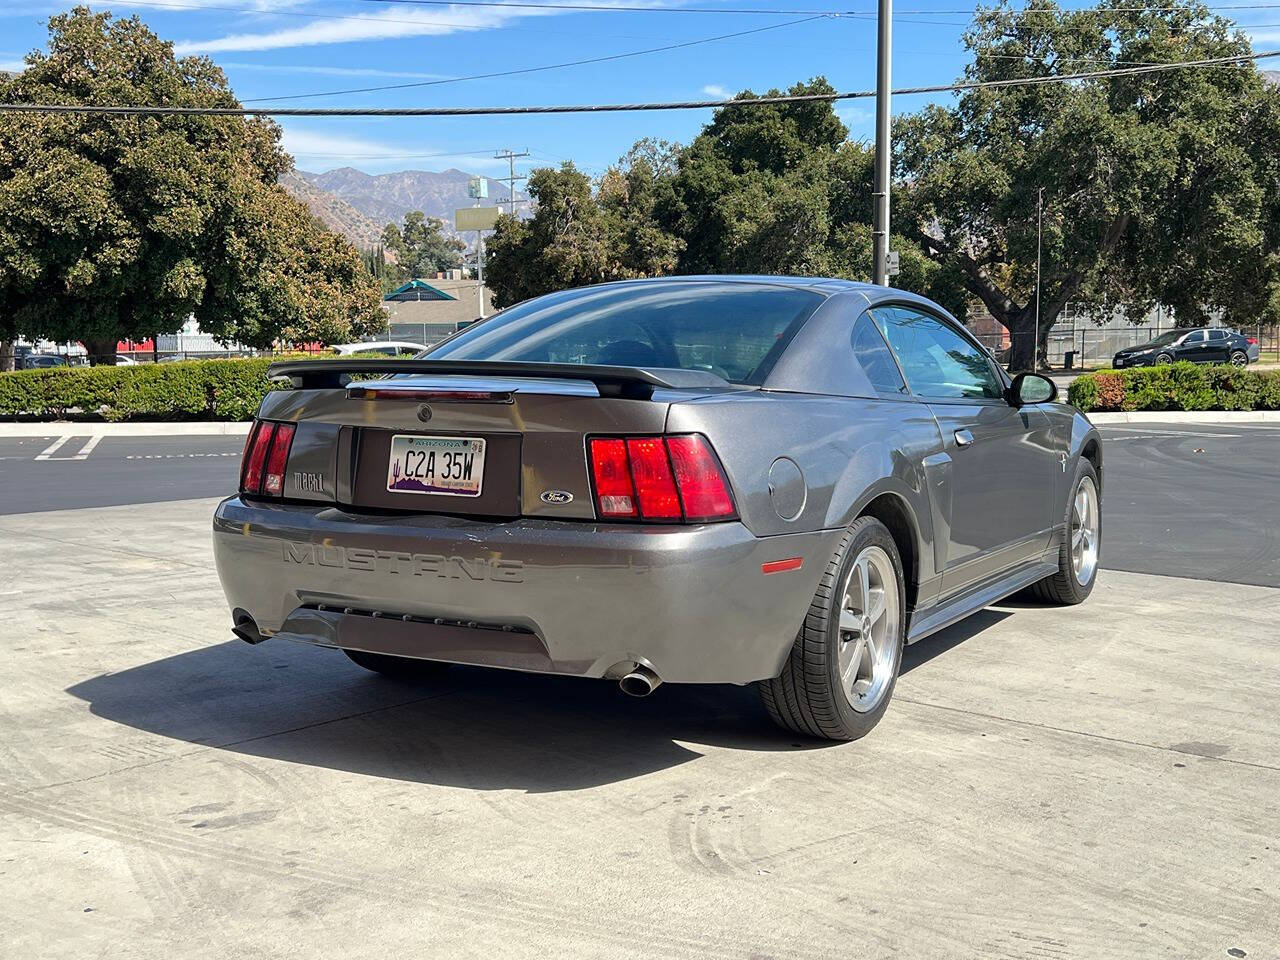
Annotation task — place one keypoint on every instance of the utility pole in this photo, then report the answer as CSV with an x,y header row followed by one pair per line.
x,y
511,178
1035,347
884,149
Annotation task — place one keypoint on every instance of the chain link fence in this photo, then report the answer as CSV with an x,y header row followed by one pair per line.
x,y
1075,342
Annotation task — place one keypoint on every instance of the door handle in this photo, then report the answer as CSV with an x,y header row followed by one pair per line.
x,y
963,438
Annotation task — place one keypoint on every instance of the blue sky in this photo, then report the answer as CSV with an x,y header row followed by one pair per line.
x,y
275,48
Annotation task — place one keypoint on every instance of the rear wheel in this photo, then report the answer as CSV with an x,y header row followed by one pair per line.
x,y
403,669
1239,358
1081,547
838,680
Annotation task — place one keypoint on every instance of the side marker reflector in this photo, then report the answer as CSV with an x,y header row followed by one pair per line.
x,y
781,566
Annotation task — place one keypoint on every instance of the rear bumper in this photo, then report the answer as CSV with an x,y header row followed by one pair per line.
x,y
540,595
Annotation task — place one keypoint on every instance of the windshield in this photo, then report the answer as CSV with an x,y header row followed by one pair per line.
x,y
1167,338
735,330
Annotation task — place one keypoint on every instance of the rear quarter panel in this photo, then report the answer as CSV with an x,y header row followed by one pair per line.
x,y
849,450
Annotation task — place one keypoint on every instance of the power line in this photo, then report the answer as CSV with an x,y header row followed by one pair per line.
x,y
121,110
629,8
548,66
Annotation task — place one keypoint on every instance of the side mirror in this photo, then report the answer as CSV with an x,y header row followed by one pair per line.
x,y
1032,388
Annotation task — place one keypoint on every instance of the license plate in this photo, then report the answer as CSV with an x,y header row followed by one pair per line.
x,y
443,466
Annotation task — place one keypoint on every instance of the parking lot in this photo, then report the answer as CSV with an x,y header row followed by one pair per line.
x,y
1099,781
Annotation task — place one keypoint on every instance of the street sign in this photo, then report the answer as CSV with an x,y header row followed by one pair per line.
x,y
891,259
475,218
478,188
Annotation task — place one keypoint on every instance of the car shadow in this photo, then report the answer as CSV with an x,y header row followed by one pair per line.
x,y
471,727
921,652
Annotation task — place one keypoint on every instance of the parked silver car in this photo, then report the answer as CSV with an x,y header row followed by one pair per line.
x,y
691,480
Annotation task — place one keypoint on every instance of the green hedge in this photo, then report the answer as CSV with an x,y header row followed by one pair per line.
x,y
189,390
1178,386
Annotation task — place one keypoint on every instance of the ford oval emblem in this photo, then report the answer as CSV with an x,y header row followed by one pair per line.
x,y
556,496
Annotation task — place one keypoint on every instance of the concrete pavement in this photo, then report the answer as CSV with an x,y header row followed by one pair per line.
x,y
1100,781
1192,501
1183,499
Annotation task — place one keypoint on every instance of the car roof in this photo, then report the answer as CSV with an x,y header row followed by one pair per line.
x,y
825,286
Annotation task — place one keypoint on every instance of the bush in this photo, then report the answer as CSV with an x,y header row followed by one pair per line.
x,y
189,390
1178,386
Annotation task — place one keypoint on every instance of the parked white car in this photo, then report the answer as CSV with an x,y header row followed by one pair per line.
x,y
391,348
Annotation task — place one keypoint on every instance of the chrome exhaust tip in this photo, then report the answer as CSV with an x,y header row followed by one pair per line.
x,y
245,629
640,682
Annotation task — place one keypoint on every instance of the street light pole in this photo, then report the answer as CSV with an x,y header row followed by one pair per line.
x,y
884,149
1035,347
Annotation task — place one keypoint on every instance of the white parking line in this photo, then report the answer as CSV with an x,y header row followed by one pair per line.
x,y
177,456
50,450
81,454
87,448
1146,432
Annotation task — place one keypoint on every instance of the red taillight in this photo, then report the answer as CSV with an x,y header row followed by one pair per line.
x,y
273,481
651,471
255,456
266,452
659,478
701,479
1252,341
614,494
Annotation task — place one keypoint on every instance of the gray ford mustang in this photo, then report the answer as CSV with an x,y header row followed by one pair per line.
x,y
692,480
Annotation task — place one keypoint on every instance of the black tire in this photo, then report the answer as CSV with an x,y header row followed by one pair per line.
x,y
1164,358
1064,588
1239,358
806,697
402,669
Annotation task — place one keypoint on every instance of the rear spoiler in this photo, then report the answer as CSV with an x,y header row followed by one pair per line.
x,y
631,382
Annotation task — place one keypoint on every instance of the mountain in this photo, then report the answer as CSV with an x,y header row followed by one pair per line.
x,y
336,214
386,197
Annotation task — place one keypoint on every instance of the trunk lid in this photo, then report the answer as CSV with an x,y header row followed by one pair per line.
x,y
532,430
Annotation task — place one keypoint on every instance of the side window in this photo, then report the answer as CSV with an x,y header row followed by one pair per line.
x,y
1194,337
873,355
936,359
1218,335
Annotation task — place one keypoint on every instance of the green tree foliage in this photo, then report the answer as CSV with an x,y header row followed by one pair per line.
x,y
117,227
421,248
766,189
779,189
564,244
1158,188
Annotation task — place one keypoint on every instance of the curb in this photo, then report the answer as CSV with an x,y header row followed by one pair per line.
x,y
68,429
1187,416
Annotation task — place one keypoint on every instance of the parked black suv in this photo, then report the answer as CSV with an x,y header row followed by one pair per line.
x,y
1199,345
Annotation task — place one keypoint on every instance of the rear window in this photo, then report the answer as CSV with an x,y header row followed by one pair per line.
x,y
734,330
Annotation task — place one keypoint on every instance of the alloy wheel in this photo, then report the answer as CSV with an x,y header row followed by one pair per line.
x,y
1085,527
869,626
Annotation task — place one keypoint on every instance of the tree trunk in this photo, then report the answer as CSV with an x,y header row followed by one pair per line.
x,y
1022,335
102,352
6,356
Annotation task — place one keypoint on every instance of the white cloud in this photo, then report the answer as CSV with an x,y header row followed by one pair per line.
x,y
855,116
1262,38
394,22
715,90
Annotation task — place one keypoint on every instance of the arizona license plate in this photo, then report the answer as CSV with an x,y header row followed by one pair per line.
x,y
448,466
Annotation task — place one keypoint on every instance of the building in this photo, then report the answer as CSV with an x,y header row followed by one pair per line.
x,y
427,311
